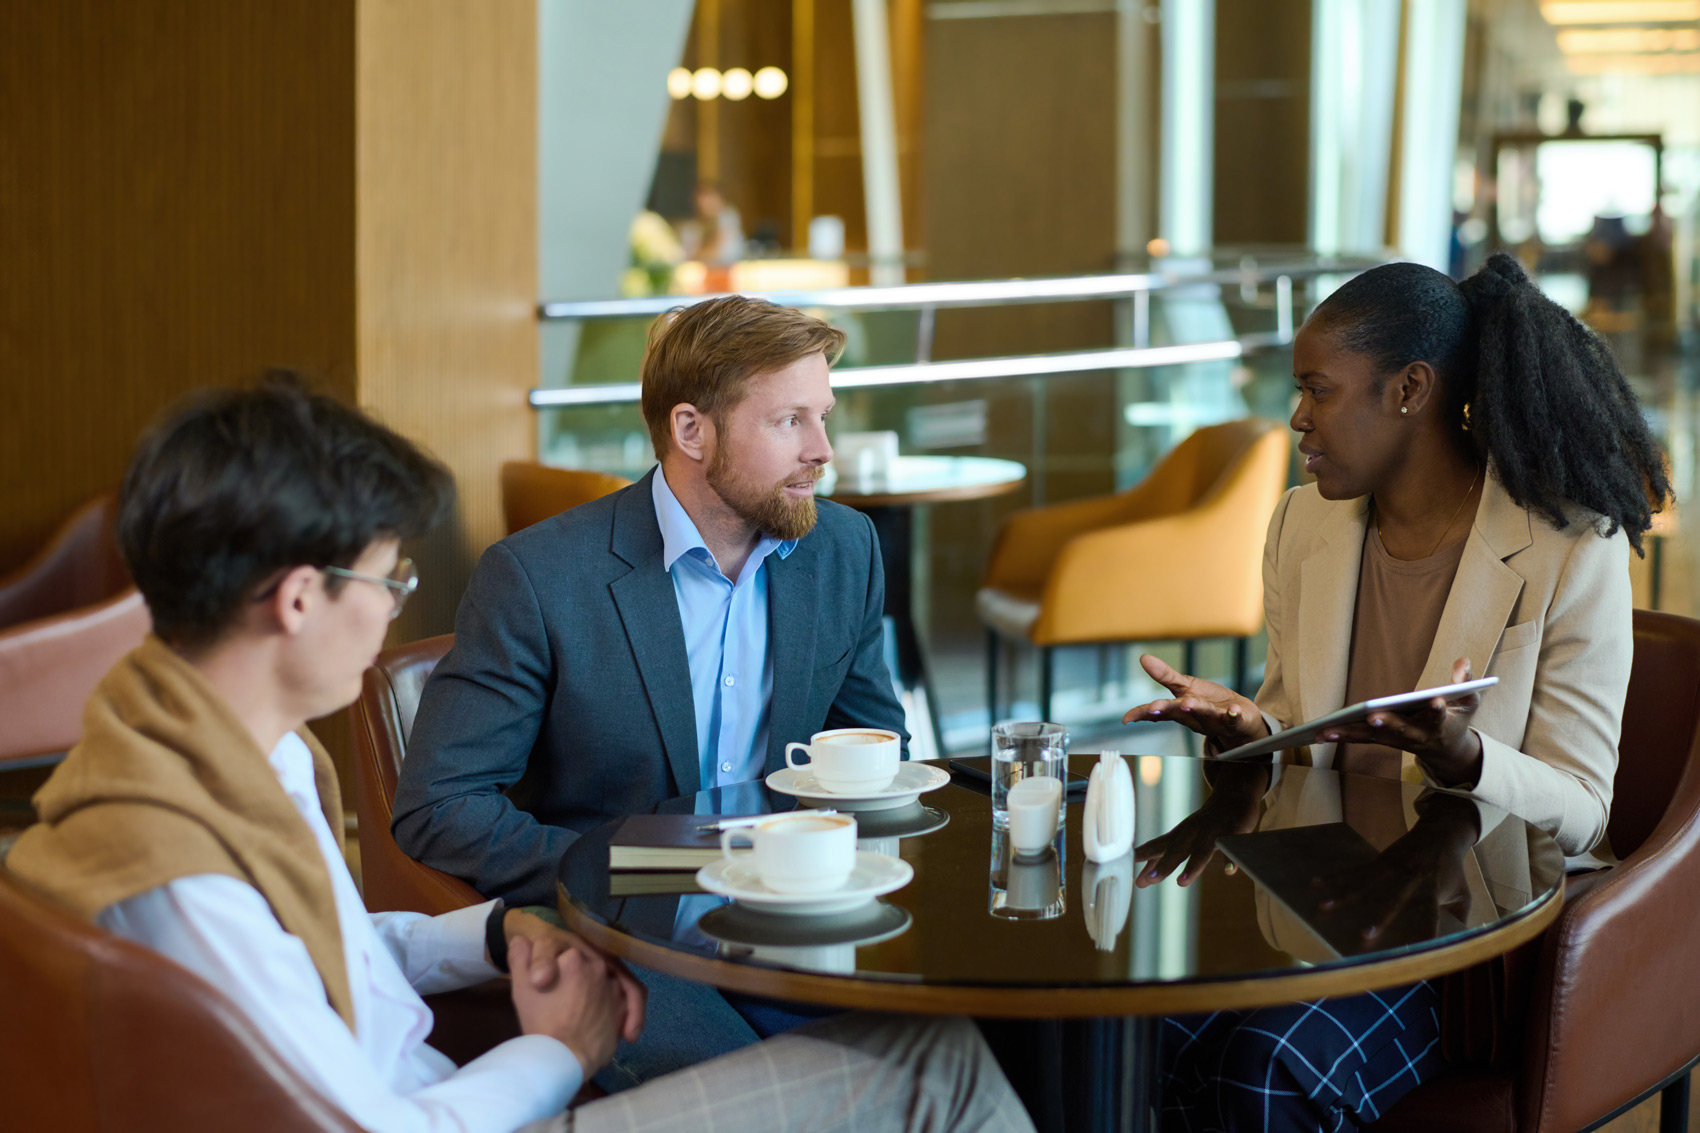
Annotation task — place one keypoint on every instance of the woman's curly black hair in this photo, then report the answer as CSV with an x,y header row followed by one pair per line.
x,y
1541,394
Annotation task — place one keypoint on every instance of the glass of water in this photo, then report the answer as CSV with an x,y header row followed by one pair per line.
x,y
1022,749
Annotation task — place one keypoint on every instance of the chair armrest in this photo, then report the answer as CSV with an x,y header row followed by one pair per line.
x,y
49,667
78,567
1196,574
1616,1007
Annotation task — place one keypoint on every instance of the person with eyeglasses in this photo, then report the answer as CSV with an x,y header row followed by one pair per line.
x,y
198,817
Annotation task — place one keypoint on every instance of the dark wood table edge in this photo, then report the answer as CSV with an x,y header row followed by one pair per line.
x,y
992,1002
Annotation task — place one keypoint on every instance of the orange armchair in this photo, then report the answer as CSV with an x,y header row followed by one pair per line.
x,y
533,492
383,719
66,617
1115,568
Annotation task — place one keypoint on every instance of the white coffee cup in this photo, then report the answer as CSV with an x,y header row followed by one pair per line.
x,y
850,761
800,852
1034,804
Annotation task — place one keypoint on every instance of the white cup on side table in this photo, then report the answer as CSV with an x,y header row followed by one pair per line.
x,y
850,761
1033,806
801,852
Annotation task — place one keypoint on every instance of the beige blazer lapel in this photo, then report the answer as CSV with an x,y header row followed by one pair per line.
x,y
1485,591
1328,594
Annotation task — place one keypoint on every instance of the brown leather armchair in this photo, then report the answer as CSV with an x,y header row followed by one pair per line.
x,y
1085,572
383,719
99,1034
532,492
66,617
1613,1010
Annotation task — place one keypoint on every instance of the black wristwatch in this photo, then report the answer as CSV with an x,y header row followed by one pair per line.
x,y
495,939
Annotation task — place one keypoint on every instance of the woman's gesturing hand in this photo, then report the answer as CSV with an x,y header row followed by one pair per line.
x,y
1213,711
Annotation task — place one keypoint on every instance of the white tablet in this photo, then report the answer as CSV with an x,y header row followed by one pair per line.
x,y
1302,734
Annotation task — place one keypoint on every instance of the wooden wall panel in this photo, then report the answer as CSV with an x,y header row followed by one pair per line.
x,y
176,191
1262,146
447,254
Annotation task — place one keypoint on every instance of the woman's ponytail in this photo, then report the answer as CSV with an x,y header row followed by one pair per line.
x,y
1540,394
1552,409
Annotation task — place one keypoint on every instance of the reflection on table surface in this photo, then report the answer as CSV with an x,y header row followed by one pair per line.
x,y
1329,869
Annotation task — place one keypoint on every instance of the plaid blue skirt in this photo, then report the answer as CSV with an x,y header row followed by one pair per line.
x,y
1331,1064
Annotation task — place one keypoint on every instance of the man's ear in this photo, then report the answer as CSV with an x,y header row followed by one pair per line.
x,y
693,431
286,608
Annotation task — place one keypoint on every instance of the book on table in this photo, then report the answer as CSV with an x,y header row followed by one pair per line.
x,y
667,841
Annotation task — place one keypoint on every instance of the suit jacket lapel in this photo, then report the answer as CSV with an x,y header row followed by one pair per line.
x,y
1328,595
1485,591
649,611
791,646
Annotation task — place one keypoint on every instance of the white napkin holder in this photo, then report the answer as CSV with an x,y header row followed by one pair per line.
x,y
1106,831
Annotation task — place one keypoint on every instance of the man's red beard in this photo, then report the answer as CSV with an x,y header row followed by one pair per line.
x,y
768,510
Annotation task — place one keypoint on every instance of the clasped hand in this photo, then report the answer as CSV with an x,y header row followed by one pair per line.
x,y
564,988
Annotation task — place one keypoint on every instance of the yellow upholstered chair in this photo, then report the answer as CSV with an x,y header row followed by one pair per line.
x,y
533,492
1177,557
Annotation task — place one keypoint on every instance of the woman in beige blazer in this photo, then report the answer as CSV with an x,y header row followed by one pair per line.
x,y
1482,471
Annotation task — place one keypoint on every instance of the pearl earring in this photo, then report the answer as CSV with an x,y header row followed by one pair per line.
x,y
1404,409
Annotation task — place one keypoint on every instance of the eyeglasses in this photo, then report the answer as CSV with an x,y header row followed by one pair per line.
x,y
401,582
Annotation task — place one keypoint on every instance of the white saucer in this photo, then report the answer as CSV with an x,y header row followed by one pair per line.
x,y
874,875
913,780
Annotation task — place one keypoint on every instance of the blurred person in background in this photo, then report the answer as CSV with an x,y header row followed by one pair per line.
x,y
715,235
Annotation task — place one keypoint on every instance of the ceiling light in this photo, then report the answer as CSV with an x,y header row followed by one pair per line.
x,y
736,84
679,82
1667,64
705,83
1620,11
1604,41
770,82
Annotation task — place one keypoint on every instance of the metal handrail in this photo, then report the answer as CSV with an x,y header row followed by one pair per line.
x,y
927,298
973,293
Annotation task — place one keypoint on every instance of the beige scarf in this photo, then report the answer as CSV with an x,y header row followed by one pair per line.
x,y
167,783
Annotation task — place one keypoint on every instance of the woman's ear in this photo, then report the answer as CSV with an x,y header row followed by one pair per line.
x,y
1417,386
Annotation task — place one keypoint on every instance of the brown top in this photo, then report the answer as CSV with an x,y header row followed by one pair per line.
x,y
1398,611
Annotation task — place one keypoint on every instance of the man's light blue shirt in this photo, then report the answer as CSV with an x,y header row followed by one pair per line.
x,y
726,629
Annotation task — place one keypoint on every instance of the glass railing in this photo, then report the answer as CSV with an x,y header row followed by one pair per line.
x,y
1086,381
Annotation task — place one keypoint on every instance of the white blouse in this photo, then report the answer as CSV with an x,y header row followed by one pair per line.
x,y
382,1075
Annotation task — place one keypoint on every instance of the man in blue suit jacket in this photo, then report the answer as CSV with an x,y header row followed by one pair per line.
x,y
671,637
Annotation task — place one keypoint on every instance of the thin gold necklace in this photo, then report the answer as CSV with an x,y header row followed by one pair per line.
x,y
1455,514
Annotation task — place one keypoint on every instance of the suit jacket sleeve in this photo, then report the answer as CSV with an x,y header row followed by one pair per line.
x,y
1561,780
866,697
1274,698
478,721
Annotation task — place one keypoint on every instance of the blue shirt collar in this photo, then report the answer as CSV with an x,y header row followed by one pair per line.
x,y
679,534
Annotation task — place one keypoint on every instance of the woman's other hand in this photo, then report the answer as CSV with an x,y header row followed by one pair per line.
x,y
1437,733
1217,713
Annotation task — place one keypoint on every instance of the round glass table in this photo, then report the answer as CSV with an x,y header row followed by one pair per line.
x,y
1313,884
